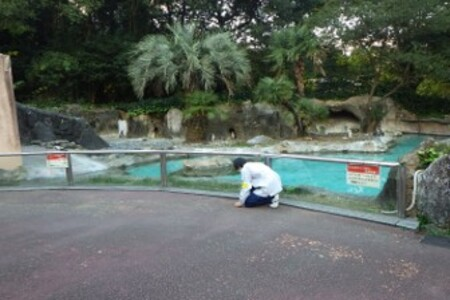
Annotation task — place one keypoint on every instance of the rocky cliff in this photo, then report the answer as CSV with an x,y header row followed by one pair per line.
x,y
39,125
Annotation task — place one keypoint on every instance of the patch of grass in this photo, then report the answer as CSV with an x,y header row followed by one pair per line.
x,y
433,230
209,184
427,228
362,205
9,183
333,200
205,184
118,180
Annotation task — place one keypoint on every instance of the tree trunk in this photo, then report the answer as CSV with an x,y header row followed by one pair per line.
x,y
299,73
369,124
300,128
195,129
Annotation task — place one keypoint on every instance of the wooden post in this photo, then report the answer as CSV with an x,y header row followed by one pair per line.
x,y
9,129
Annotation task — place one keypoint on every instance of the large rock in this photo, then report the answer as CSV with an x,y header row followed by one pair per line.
x,y
433,192
260,140
207,166
249,119
174,122
398,119
411,162
379,144
37,124
347,115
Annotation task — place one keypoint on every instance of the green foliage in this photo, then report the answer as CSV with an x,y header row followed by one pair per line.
x,y
83,46
53,69
311,111
119,180
187,61
430,229
14,16
290,48
430,87
432,153
387,49
103,69
201,103
274,90
292,44
158,106
423,221
422,105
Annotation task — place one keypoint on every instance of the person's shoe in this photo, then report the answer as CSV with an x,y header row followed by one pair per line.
x,y
238,204
275,202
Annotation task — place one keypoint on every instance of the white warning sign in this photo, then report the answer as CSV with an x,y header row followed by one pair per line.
x,y
363,175
57,160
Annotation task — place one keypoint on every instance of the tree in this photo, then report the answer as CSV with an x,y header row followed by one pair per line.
x,y
79,43
200,106
279,91
248,21
395,46
290,48
187,60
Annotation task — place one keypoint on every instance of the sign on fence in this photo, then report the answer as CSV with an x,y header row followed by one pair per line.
x,y
57,160
363,175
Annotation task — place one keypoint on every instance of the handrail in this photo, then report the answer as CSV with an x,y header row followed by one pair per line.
x,y
401,173
194,152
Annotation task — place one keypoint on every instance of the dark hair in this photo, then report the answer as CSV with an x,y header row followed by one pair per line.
x,y
239,163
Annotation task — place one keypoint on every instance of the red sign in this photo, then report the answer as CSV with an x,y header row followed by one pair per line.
x,y
363,175
57,160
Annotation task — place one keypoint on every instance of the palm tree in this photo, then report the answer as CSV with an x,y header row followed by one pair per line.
x,y
290,48
200,107
279,91
188,61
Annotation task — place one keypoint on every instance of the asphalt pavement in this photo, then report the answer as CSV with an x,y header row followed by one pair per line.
x,y
67,244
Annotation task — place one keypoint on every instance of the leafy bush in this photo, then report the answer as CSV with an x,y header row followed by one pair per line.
x,y
53,69
150,106
201,103
422,105
311,112
432,153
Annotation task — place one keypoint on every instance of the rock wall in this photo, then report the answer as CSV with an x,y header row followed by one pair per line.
x,y
398,119
246,120
433,192
36,124
351,114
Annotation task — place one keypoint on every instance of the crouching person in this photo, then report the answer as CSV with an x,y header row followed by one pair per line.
x,y
260,184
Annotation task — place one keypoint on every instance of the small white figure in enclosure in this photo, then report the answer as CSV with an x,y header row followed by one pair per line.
x,y
123,128
349,133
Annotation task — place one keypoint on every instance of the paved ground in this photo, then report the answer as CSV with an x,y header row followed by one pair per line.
x,y
154,245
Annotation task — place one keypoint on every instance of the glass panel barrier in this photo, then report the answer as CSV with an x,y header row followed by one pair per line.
x,y
338,182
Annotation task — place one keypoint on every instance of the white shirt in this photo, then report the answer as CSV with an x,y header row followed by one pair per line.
x,y
260,176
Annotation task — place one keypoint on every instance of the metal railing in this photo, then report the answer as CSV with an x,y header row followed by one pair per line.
x,y
266,157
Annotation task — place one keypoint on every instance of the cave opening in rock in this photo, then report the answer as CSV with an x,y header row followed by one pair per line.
x,y
232,133
343,115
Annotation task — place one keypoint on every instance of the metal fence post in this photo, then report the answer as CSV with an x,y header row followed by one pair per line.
x,y
401,192
69,170
163,164
268,161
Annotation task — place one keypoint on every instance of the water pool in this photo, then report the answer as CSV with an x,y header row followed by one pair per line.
x,y
322,175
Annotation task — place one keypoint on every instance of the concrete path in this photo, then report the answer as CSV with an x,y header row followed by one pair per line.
x,y
153,245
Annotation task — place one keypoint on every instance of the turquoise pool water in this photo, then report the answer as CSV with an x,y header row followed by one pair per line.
x,y
322,175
